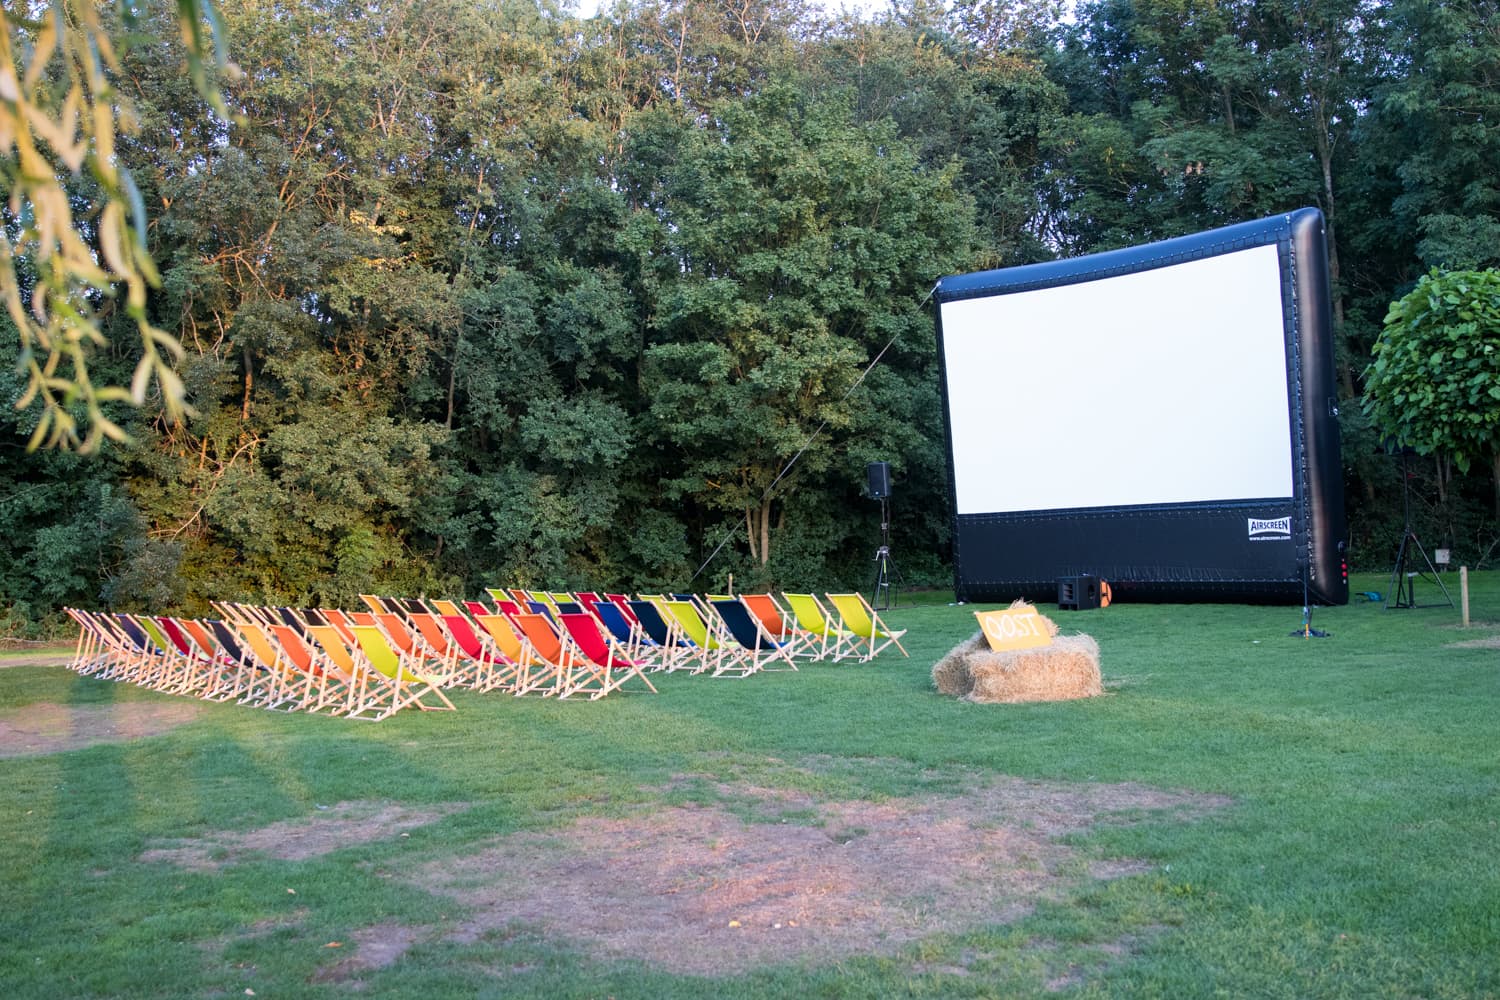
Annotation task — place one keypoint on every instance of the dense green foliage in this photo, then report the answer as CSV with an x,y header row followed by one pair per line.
x,y
480,293
1435,382
1353,852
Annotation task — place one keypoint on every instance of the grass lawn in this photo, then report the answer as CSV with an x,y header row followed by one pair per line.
x,y
1243,813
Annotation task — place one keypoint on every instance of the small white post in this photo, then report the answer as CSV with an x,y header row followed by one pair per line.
x,y
1463,591
731,590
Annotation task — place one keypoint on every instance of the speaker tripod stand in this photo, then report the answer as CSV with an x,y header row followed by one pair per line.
x,y
887,583
1403,577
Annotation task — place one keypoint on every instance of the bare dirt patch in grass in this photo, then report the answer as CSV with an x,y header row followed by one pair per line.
x,y
697,888
46,727
1488,642
374,947
338,826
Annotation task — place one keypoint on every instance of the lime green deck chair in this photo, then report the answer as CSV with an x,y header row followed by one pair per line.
x,y
857,617
825,635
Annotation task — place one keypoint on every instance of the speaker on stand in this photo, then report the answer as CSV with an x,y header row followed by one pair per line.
x,y
887,582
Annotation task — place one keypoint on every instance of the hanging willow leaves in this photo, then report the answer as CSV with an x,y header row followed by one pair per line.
x,y
72,244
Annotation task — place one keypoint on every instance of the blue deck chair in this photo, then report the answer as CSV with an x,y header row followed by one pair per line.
x,y
747,630
676,648
635,640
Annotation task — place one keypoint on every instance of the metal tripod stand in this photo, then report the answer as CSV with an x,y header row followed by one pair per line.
x,y
1402,586
887,577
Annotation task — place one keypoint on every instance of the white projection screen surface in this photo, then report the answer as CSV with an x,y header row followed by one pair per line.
x,y
1162,417
1161,386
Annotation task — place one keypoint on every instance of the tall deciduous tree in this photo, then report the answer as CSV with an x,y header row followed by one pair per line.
x,y
1434,384
785,248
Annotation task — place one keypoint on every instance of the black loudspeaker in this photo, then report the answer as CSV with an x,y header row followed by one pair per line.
x,y
1077,593
879,476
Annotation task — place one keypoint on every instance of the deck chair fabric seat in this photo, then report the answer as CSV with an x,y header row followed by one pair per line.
x,y
719,653
829,638
678,650
638,645
552,659
747,630
592,643
859,619
498,669
413,684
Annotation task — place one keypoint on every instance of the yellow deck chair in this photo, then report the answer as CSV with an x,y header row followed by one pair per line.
x,y
277,683
369,695
857,617
411,684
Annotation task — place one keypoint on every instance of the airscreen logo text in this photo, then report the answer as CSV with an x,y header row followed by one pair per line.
x,y
1276,530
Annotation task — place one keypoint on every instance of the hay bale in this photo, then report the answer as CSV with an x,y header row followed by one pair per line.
x,y
1069,668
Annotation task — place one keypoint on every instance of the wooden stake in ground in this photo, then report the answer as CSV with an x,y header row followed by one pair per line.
x,y
1463,592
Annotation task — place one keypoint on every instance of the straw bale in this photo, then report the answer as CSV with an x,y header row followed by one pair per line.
x,y
1069,668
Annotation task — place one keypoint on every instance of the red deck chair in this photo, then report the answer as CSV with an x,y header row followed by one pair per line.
x,y
498,670
602,651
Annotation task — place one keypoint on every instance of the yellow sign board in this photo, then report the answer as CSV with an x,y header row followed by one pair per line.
x,y
1014,628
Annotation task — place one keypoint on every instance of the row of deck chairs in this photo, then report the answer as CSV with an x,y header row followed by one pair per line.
x,y
257,659
403,653
717,634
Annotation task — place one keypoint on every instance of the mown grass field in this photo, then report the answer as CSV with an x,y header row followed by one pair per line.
x,y
1352,850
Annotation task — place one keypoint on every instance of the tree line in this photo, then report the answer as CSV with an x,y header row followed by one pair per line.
x,y
479,293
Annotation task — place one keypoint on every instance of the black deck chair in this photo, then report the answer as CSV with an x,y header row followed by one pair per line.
x,y
675,646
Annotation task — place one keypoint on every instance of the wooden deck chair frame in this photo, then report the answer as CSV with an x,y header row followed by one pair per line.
x,y
752,635
410,643
434,636
597,645
720,653
628,632
224,669
122,654
100,646
411,684
324,682
497,669
233,645
781,623
857,617
207,671
277,682
678,652
369,695
514,647
552,666
822,625
165,668
229,668
198,671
